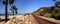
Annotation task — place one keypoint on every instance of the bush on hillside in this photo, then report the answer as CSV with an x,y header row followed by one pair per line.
x,y
55,16
47,15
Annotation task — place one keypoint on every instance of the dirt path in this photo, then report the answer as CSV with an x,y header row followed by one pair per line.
x,y
42,21
38,20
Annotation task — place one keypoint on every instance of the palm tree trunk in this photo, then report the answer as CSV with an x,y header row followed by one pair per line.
x,y
16,11
13,13
6,14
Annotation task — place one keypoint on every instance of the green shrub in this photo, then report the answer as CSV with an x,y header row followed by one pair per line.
x,y
56,16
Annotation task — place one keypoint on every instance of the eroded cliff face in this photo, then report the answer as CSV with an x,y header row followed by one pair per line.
x,y
41,11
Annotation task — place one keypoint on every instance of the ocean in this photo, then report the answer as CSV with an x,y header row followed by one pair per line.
x,y
9,14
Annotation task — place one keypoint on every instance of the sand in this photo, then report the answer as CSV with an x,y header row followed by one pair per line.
x,y
17,19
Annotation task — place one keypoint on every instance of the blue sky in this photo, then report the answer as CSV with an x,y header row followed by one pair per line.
x,y
28,6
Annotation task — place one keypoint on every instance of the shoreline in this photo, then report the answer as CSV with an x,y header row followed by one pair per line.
x,y
3,17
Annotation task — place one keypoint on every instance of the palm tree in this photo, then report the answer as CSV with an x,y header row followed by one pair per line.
x,y
14,9
5,2
11,2
54,0
57,3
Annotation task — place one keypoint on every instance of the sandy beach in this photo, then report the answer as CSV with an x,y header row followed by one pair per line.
x,y
28,19
17,19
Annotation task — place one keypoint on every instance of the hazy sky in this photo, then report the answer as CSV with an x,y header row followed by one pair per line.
x,y
27,6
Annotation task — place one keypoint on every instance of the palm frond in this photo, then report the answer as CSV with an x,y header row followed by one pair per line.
x,y
54,0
